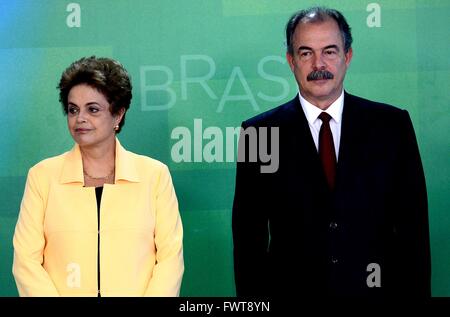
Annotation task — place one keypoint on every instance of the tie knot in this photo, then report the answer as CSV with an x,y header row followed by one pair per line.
x,y
325,117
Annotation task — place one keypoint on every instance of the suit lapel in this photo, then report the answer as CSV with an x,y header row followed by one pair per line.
x,y
301,151
300,135
351,143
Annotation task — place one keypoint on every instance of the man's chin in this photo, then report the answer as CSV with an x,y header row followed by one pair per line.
x,y
321,92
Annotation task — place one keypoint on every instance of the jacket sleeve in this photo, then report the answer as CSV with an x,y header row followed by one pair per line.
x,y
412,217
29,242
169,268
250,227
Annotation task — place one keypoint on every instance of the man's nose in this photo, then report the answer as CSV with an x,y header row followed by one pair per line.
x,y
318,62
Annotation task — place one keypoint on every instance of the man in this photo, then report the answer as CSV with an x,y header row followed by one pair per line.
x,y
346,211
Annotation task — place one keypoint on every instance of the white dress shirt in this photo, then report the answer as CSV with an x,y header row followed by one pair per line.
x,y
335,111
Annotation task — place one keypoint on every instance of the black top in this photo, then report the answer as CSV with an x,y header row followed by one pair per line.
x,y
98,195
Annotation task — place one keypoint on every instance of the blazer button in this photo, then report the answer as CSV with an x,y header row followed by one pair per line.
x,y
333,225
334,260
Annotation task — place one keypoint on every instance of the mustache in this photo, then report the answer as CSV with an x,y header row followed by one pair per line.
x,y
319,74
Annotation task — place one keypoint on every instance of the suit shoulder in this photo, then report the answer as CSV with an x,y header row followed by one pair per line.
x,y
374,107
380,117
273,117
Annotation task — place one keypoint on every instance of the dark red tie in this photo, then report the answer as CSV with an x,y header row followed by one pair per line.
x,y
326,149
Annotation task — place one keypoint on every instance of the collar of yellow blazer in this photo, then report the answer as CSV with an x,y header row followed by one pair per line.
x,y
73,166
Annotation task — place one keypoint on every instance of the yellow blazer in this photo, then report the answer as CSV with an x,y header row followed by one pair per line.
x,y
139,244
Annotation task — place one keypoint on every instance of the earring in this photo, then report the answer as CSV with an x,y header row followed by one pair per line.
x,y
116,127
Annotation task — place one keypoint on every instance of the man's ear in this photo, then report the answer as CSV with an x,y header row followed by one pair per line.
x,y
348,56
290,60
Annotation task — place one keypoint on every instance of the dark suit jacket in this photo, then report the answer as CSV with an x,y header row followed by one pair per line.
x,y
292,236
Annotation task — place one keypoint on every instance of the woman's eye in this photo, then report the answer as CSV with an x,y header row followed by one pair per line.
x,y
73,110
93,110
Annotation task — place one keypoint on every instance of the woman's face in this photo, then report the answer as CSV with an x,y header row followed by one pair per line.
x,y
88,117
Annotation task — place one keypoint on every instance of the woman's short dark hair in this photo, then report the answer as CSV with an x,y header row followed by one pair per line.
x,y
318,14
104,74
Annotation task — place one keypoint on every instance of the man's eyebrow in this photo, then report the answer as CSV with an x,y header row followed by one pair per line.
x,y
331,46
325,48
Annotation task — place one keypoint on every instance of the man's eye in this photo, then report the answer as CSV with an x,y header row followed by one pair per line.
x,y
305,54
330,52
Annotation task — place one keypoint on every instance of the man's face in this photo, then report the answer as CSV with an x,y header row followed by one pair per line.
x,y
319,62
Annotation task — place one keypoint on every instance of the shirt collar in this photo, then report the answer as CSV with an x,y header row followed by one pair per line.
x,y
312,112
73,166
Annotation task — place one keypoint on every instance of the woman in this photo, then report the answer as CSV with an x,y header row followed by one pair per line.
x,y
98,220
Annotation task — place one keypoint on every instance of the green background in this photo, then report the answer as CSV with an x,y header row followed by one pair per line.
x,y
403,62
